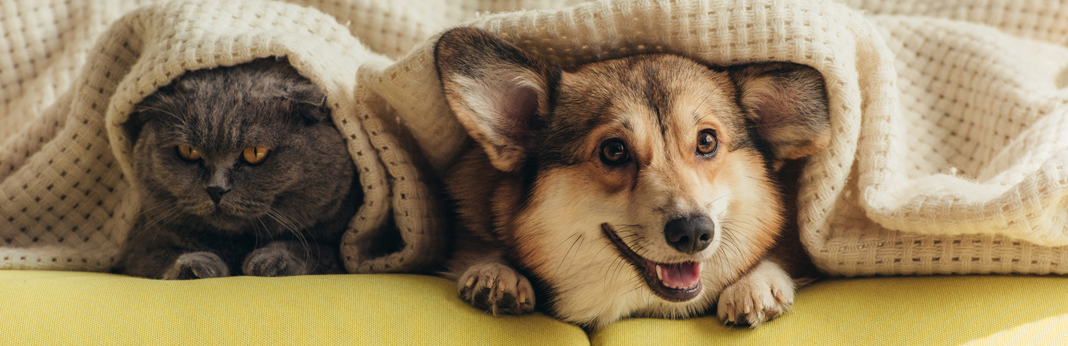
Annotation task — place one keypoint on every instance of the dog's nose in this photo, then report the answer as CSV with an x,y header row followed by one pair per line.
x,y
690,234
216,193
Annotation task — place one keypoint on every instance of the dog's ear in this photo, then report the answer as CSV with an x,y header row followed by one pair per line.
x,y
788,103
497,91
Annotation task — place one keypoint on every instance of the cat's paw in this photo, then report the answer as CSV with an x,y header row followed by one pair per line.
x,y
497,288
273,261
760,296
197,265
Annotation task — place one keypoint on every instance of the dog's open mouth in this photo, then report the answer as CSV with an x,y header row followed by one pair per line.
x,y
676,282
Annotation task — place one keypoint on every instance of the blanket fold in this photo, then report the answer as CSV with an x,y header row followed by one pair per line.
x,y
947,154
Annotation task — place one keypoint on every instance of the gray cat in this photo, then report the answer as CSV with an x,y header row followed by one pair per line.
x,y
241,171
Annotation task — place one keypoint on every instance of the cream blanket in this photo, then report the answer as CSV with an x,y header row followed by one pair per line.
x,y
948,153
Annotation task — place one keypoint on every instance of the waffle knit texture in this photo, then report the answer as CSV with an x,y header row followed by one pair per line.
x,y
948,152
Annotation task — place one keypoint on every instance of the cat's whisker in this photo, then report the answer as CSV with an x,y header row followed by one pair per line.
x,y
150,223
283,220
160,218
151,208
288,224
266,231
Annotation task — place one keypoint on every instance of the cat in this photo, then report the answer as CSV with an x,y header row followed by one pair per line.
x,y
240,171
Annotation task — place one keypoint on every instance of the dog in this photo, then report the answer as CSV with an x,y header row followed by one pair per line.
x,y
640,186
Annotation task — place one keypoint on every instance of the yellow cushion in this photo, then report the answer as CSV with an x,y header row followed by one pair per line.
x,y
962,310
70,308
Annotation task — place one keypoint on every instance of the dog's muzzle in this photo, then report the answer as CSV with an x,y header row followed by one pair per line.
x,y
676,282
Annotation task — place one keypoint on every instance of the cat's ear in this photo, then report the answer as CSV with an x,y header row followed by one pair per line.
x,y
788,103
309,101
133,125
498,92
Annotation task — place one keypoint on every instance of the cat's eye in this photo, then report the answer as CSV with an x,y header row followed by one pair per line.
x,y
255,155
614,152
707,144
187,152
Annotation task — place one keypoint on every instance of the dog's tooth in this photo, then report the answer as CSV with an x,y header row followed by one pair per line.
x,y
659,275
470,281
522,297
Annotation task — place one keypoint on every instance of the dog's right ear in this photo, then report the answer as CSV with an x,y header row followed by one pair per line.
x,y
497,91
789,104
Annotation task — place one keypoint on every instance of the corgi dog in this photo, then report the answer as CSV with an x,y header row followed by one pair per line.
x,y
640,186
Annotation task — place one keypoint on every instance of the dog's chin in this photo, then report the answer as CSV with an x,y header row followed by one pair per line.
x,y
674,282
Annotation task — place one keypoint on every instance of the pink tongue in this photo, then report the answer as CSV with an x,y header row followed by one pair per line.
x,y
681,275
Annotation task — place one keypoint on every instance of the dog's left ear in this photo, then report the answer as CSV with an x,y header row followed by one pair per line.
x,y
788,102
497,91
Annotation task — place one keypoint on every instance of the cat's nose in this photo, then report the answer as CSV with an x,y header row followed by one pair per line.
x,y
216,193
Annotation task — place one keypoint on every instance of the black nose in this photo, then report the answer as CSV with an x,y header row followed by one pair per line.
x,y
216,193
690,234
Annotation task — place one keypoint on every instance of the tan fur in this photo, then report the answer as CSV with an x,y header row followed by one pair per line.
x,y
538,213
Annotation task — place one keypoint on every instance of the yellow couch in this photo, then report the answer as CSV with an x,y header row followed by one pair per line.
x,y
72,308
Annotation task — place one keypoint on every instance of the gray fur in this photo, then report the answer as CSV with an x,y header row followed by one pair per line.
x,y
284,216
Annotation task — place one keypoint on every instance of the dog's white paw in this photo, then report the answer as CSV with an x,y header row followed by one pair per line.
x,y
760,296
497,288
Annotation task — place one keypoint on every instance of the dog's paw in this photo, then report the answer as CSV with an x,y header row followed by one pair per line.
x,y
273,261
760,296
497,288
197,265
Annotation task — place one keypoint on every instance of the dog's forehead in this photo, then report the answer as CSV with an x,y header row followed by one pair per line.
x,y
659,98
645,92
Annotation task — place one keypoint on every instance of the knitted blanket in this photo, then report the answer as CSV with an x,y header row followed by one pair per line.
x,y
946,155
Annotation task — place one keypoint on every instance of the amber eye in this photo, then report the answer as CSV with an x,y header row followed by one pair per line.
x,y
614,152
187,152
707,143
255,155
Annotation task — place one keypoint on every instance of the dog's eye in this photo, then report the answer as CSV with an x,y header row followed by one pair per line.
x,y
614,152
187,152
707,143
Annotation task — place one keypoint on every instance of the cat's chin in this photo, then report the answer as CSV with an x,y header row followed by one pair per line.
x,y
221,219
225,222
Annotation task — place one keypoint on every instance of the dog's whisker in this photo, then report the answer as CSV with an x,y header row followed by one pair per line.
x,y
597,255
564,260
714,200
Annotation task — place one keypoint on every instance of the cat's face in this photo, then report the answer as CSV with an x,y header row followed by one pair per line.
x,y
235,146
